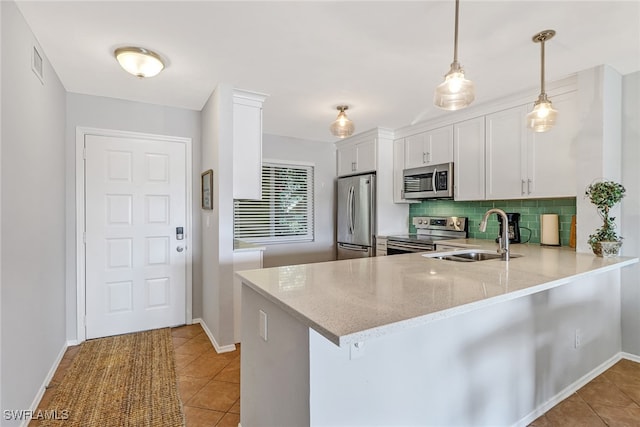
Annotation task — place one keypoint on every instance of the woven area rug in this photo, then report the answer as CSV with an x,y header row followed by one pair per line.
x,y
126,380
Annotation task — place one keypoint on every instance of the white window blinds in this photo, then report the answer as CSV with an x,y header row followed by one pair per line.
x,y
285,213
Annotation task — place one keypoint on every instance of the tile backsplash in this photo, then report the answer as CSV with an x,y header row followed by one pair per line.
x,y
530,211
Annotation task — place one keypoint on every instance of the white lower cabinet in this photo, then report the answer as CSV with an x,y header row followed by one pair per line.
x,y
468,159
381,245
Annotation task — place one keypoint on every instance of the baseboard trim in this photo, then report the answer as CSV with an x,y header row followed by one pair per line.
x,y
216,346
631,357
45,383
568,391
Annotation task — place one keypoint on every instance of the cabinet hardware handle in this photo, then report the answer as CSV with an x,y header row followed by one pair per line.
x,y
424,157
528,186
522,187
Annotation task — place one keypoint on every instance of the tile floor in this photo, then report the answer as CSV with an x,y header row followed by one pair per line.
x,y
209,385
611,399
208,382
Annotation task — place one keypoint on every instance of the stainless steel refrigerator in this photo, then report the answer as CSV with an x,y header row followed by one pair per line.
x,y
356,216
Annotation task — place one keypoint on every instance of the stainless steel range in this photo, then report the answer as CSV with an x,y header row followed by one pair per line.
x,y
429,230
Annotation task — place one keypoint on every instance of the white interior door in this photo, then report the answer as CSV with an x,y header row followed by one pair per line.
x,y
135,264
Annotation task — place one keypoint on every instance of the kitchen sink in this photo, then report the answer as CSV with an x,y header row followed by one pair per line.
x,y
467,255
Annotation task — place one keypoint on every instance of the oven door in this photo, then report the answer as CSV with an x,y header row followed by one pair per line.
x,y
395,247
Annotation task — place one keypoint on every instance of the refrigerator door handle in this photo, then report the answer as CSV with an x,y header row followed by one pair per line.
x,y
351,201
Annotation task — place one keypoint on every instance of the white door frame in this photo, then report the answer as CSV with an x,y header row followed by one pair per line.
x,y
81,132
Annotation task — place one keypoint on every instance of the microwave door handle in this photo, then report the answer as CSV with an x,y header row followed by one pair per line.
x,y
433,180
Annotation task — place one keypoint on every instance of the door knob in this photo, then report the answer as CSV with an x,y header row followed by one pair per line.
x,y
179,249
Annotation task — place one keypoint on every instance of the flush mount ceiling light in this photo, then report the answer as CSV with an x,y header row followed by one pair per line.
x,y
139,61
342,126
543,116
455,92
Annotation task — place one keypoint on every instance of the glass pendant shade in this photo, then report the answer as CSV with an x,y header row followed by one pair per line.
x,y
455,92
342,127
139,61
543,116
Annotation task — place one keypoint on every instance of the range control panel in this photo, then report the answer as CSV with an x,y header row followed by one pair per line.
x,y
444,223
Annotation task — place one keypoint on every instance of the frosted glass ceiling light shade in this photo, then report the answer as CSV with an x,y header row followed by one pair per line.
x,y
456,92
543,116
342,127
139,61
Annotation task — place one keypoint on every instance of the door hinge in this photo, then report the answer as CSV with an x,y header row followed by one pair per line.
x,y
84,237
84,153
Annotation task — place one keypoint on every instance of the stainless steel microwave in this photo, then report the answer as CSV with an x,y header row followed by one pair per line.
x,y
428,182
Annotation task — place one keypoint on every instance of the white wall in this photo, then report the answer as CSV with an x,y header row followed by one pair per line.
x,y
217,224
110,113
33,216
599,154
631,212
323,156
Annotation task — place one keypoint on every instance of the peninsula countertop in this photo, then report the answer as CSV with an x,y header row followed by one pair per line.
x,y
354,300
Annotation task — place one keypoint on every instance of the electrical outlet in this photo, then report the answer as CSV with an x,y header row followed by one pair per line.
x,y
262,328
578,339
356,350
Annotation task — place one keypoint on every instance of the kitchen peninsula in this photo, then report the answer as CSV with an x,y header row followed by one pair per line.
x,y
408,340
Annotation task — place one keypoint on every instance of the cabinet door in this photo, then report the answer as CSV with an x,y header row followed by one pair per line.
x,y
247,150
469,163
505,144
440,145
347,159
366,156
415,150
429,148
551,155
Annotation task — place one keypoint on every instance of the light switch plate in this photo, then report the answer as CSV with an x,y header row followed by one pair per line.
x,y
262,328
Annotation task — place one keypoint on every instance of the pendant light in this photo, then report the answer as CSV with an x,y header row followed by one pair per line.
x,y
456,92
139,61
543,116
342,127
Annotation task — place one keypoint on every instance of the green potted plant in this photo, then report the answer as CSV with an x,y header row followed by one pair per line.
x,y
605,195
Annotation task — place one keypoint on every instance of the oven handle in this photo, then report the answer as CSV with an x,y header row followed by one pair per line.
x,y
409,246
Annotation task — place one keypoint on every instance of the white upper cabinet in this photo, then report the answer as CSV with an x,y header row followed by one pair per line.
x,y
429,148
551,155
247,144
521,163
356,156
468,159
505,150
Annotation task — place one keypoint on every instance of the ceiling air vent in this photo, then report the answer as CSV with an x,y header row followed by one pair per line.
x,y
36,64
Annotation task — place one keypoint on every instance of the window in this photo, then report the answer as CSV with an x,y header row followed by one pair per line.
x,y
285,213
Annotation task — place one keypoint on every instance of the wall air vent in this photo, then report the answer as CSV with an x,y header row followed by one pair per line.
x,y
37,65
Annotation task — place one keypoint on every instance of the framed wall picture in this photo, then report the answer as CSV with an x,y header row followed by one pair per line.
x,y
207,189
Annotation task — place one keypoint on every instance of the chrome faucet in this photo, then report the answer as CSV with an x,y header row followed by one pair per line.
x,y
503,241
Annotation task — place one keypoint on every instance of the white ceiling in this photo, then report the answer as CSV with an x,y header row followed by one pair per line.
x,y
382,58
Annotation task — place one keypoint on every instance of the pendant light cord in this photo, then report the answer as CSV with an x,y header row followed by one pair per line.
x,y
455,36
542,89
